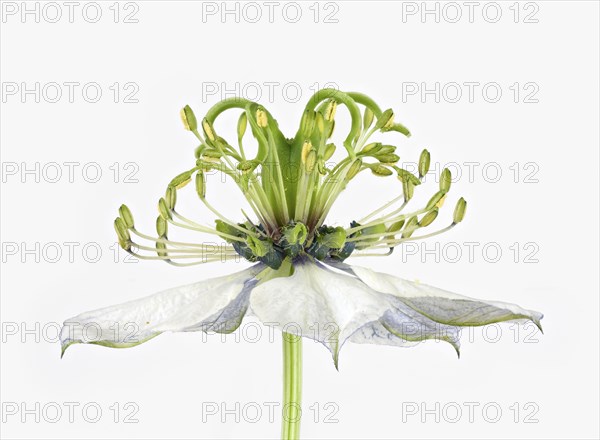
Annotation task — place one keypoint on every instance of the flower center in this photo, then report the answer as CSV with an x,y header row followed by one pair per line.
x,y
291,185
293,240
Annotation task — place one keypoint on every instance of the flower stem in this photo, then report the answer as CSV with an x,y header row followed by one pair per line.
x,y
292,386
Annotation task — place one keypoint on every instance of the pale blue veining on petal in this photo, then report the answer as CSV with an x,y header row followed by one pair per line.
x,y
217,304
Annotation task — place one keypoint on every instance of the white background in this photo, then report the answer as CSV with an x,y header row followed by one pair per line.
x,y
174,54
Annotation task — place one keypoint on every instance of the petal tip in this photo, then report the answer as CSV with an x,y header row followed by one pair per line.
x,y
336,358
63,348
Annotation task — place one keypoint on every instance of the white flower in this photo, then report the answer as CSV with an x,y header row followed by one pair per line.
x,y
330,305
300,282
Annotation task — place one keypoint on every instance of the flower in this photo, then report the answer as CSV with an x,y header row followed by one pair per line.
x,y
300,281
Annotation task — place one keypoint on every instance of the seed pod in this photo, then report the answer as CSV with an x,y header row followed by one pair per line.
x,y
188,118
208,130
385,120
380,170
163,210
445,180
428,218
367,118
424,162
261,117
435,199
171,197
181,180
329,150
387,158
200,185
460,210
330,110
161,226
372,148
354,169
125,214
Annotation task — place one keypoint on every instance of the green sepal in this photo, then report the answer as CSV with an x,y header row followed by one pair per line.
x,y
227,229
333,238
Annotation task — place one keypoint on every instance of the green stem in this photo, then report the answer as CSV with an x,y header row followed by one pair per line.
x,y
292,386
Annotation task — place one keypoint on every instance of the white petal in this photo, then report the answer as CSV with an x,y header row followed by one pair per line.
x,y
405,327
442,306
318,303
217,304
